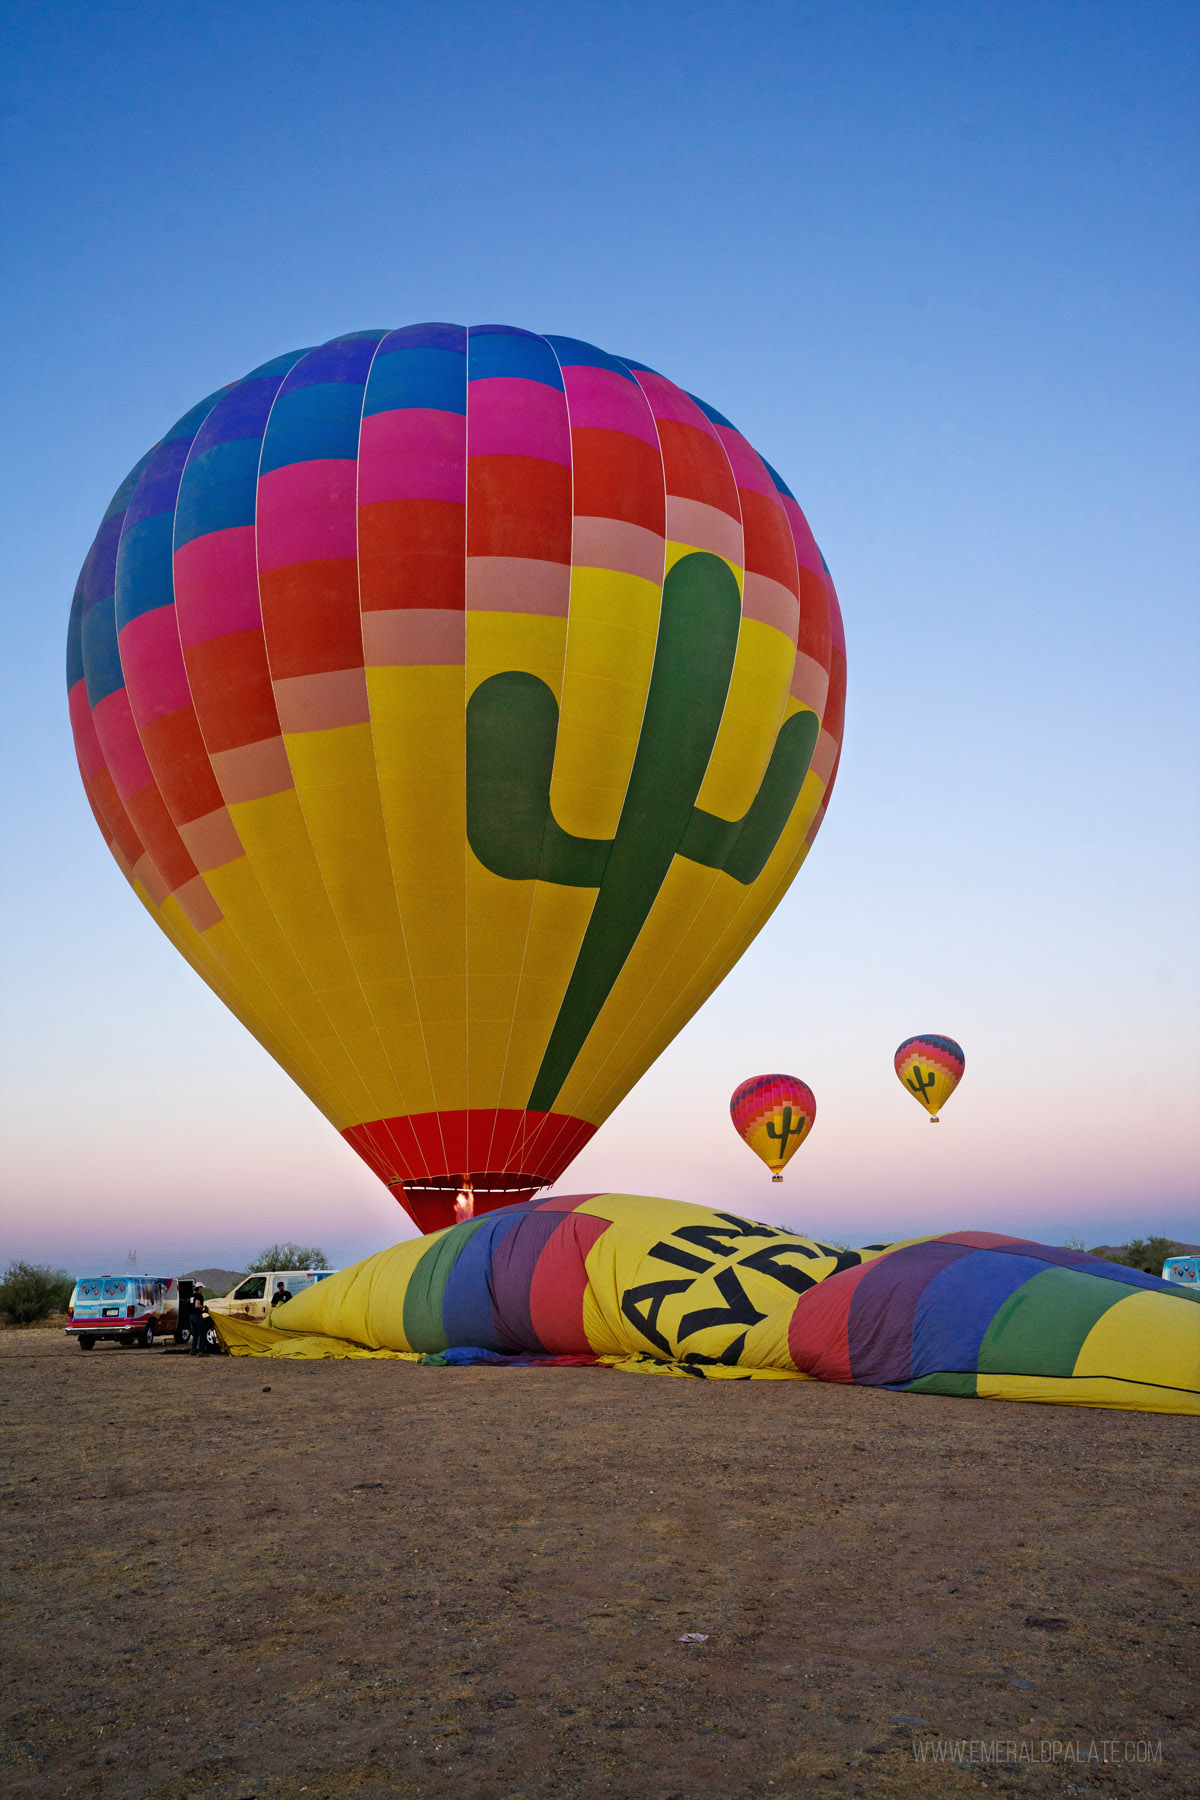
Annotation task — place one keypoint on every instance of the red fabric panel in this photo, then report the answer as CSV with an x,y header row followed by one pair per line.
x,y
618,477
175,751
559,1282
814,639
769,547
518,506
412,553
155,827
106,798
310,618
818,1336
231,685
696,466
477,1141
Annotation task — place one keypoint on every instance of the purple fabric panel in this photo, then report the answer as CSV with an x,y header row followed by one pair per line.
x,y
880,1327
159,485
241,413
513,1263
344,359
425,337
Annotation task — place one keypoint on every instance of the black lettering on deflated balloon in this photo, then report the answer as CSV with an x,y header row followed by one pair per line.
x,y
717,1238
654,1293
769,1262
739,1309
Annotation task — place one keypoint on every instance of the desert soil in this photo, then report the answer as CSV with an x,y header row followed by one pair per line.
x,y
231,1578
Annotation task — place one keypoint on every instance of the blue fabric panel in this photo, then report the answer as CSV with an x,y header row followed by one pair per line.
x,y
75,640
573,353
403,378
879,1328
710,412
499,350
1098,1265
467,1312
101,658
145,576
313,422
957,1306
777,478
189,425
219,490
278,366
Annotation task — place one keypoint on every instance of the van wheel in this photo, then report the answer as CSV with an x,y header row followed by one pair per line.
x,y
148,1338
181,1338
87,1343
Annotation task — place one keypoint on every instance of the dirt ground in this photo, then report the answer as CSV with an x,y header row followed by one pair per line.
x,y
229,1578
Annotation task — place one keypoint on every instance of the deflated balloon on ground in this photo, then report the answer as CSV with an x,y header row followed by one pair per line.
x,y
666,1287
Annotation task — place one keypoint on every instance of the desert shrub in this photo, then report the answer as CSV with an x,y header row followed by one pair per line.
x,y
31,1291
288,1256
1148,1254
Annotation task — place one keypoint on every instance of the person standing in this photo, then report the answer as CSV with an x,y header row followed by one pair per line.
x,y
197,1322
282,1293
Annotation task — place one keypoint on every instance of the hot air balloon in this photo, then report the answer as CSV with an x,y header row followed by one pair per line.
x,y
460,703
660,1287
773,1114
930,1068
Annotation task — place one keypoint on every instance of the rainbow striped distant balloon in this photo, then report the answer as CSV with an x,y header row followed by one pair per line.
x,y
460,702
773,1114
930,1068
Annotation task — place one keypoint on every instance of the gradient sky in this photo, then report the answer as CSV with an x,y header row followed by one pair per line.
x,y
939,263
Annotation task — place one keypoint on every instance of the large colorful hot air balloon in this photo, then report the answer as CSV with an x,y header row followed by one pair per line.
x,y
930,1068
460,703
773,1114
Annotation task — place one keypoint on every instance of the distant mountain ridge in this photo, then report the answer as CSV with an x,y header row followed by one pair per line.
x,y
215,1281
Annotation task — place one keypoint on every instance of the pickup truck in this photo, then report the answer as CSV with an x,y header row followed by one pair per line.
x,y
251,1298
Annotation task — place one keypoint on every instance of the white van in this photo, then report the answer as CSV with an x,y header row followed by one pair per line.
x,y
126,1309
251,1298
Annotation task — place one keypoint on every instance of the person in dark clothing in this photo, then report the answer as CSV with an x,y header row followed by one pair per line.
x,y
197,1323
280,1295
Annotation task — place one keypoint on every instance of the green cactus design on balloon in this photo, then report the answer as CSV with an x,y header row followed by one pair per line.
x,y
786,1130
512,727
920,1085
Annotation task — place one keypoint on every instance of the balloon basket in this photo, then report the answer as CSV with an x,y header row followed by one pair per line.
x,y
935,1120
777,1178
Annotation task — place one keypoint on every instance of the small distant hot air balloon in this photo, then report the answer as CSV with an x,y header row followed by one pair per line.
x,y
930,1068
774,1114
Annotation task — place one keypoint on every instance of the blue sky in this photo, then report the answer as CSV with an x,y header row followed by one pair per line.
x,y
939,263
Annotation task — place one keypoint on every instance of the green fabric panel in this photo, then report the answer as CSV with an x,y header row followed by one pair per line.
x,y
1040,1329
426,1285
512,729
741,847
693,661
946,1383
